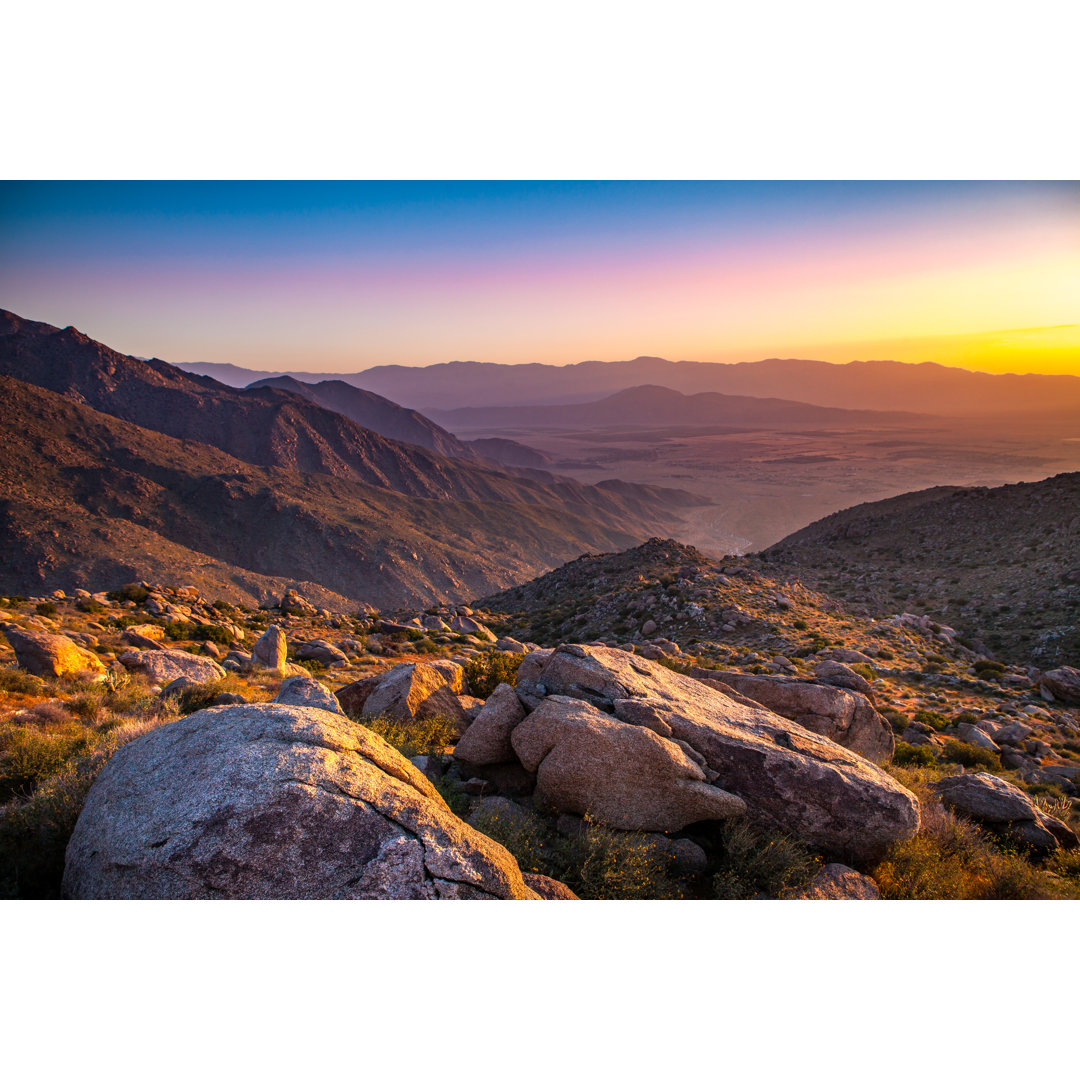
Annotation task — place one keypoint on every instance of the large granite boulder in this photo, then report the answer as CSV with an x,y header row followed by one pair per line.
x,y
274,801
165,665
487,739
624,775
271,651
1005,810
322,652
840,714
51,655
791,778
411,692
1062,684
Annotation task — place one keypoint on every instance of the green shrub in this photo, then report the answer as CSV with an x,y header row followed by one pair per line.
x,y
933,719
136,593
801,624
755,862
88,605
971,757
906,754
897,720
15,681
486,671
412,737
29,755
46,607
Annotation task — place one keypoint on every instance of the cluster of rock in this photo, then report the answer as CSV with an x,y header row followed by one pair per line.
x,y
638,746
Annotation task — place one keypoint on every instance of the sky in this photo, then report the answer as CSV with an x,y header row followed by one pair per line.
x,y
340,277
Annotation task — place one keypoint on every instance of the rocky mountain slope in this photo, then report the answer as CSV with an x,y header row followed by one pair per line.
x,y
871,384
87,498
1000,564
375,413
420,757
271,427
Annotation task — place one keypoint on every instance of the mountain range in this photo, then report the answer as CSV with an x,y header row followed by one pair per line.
x,y
871,384
660,407
116,462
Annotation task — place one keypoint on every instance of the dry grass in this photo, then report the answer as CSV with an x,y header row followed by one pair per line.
x,y
951,859
598,863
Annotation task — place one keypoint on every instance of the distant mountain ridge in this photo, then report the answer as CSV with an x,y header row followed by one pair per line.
x,y
374,412
865,384
657,406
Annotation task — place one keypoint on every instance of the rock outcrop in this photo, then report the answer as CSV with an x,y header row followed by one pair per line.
x,y
840,714
271,650
487,739
1004,809
1062,684
165,665
50,655
789,777
624,775
410,692
275,801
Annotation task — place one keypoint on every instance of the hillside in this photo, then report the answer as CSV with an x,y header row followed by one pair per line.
x,y
869,384
87,498
1002,564
274,428
659,407
376,413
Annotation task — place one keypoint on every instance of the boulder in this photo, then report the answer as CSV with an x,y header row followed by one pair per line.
x,y
352,697
165,665
322,652
839,714
1063,684
52,655
460,624
274,801
292,603
419,691
271,650
1005,809
487,739
510,645
548,888
304,690
791,779
974,736
624,775
836,674
835,881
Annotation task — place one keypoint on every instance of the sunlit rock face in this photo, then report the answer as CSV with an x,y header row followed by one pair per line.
x,y
275,801
788,777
